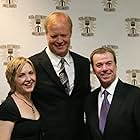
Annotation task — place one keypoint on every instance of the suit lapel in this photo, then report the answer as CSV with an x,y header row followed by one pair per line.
x,y
117,101
77,70
95,107
47,65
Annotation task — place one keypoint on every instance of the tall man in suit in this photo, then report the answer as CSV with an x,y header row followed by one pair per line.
x,y
123,118
62,111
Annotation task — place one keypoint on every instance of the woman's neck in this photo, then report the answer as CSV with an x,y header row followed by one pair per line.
x,y
25,96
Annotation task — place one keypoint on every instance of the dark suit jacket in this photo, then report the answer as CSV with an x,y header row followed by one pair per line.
x,y
63,114
123,120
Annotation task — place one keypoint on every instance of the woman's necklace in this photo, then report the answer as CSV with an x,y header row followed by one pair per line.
x,y
31,106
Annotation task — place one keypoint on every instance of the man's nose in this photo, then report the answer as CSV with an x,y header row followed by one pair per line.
x,y
104,67
59,39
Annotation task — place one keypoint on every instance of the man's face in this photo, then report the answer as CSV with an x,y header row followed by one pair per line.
x,y
104,68
58,37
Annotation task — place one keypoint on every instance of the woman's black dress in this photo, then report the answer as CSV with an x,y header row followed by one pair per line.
x,y
24,129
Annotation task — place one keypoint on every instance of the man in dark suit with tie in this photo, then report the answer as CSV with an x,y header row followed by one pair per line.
x,y
122,121
61,105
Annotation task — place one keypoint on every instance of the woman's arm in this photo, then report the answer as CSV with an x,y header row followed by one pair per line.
x,y
6,128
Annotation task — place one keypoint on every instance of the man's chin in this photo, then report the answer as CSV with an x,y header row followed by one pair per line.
x,y
106,80
62,53
105,84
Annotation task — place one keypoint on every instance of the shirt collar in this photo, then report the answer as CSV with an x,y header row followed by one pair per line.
x,y
111,88
56,59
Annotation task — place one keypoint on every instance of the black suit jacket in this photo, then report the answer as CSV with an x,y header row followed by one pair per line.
x,y
123,120
63,114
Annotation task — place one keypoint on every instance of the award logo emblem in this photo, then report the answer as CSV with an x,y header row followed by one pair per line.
x,y
62,4
10,3
133,26
9,52
37,23
109,5
133,77
87,25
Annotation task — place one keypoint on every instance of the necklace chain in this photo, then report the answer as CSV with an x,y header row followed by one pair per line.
x,y
31,106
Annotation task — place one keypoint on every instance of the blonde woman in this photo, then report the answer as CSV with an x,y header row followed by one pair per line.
x,y
19,118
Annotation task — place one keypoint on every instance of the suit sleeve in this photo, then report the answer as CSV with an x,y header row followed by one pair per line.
x,y
137,114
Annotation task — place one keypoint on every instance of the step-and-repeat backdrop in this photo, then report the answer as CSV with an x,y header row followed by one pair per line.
x,y
96,23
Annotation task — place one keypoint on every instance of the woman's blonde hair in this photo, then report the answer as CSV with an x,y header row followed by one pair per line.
x,y
14,66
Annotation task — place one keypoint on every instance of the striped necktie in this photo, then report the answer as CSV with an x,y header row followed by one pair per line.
x,y
63,76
